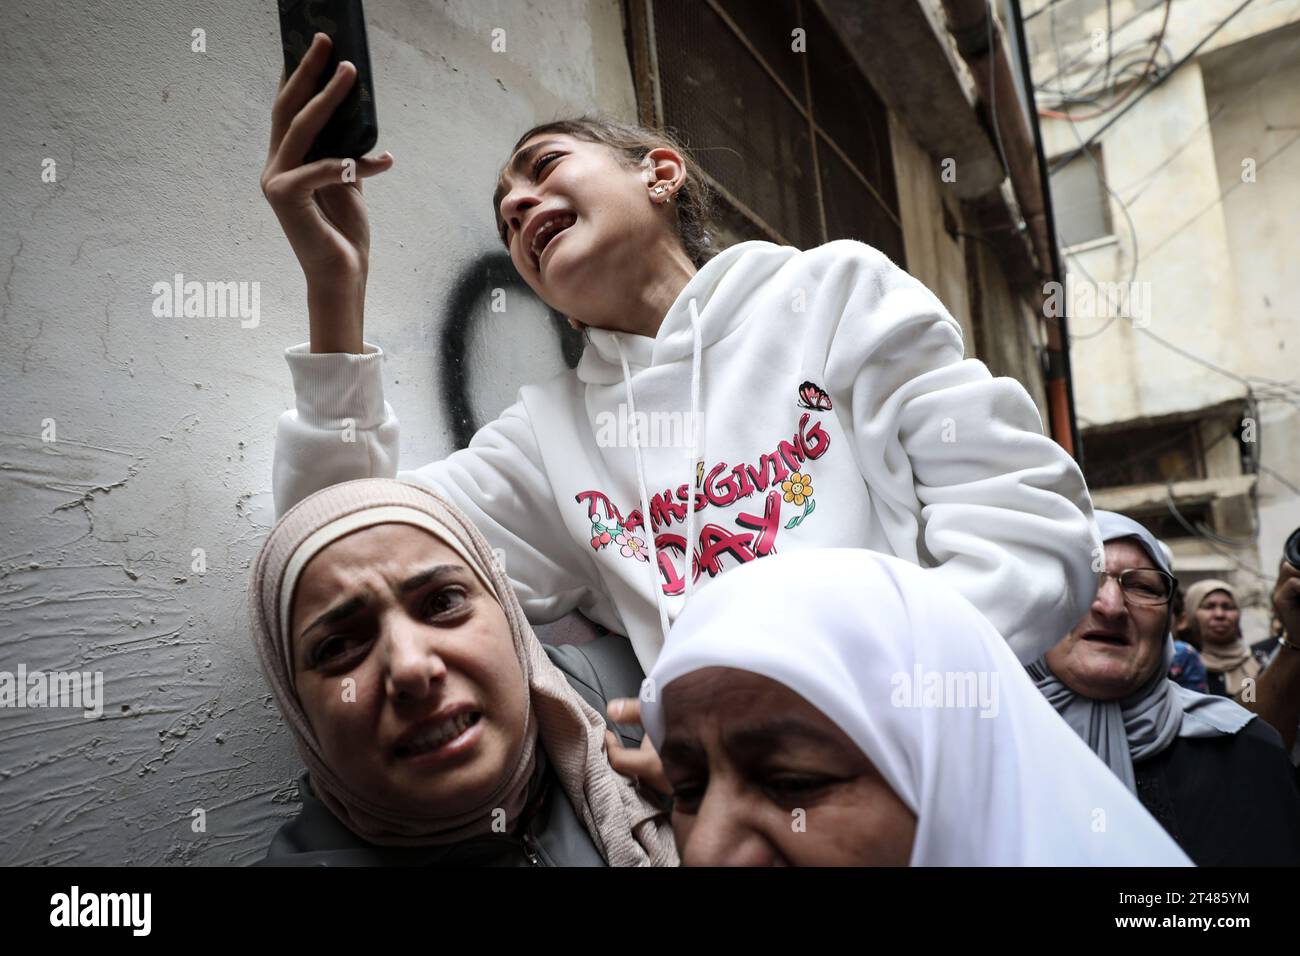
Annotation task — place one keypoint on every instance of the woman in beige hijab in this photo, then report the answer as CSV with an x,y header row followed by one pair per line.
x,y
1213,619
435,727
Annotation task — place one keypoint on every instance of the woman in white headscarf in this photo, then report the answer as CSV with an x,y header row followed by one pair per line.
x,y
842,707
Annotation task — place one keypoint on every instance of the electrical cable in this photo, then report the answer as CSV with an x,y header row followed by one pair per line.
x,y
1159,81
1101,181
1155,52
1087,80
1284,59
1063,71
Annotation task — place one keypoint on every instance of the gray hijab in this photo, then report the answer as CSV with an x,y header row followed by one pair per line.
x,y
1128,730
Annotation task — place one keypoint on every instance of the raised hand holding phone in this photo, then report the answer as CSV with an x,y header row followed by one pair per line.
x,y
353,128
319,203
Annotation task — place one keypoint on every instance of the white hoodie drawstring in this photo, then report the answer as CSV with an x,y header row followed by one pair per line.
x,y
645,498
696,428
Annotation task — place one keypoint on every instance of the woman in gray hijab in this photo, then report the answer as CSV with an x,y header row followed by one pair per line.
x,y
1216,778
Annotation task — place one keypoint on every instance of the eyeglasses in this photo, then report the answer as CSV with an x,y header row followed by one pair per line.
x,y
1145,586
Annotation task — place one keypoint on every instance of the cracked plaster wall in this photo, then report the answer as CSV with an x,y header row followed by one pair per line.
x,y
163,427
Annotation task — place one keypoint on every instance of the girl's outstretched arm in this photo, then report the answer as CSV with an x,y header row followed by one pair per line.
x,y
956,459
342,429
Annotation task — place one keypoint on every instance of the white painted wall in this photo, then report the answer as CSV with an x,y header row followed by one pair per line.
x,y
164,426
1253,92
1120,373
1168,161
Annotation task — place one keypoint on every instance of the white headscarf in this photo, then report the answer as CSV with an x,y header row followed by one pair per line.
x,y
854,632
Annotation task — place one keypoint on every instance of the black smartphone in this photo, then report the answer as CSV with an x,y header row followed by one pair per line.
x,y
353,130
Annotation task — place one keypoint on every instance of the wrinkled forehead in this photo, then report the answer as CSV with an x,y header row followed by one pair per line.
x,y
742,706
1131,552
390,547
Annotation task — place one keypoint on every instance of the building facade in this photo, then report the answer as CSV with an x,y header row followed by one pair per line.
x,y
1171,132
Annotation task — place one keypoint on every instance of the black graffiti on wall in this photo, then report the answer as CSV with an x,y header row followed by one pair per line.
x,y
466,306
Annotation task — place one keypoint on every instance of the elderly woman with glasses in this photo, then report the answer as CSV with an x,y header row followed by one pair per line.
x,y
1216,778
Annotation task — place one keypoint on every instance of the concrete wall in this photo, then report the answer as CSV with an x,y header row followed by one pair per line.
x,y
1011,337
1078,21
933,256
164,427
1120,373
1167,161
1253,94
1217,247
1003,334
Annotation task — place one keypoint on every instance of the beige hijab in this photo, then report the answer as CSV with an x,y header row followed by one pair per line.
x,y
1233,660
626,830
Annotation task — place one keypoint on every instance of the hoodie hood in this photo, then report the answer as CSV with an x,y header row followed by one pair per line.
x,y
723,296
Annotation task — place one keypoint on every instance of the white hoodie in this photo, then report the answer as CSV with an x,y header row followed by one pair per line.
x,y
837,411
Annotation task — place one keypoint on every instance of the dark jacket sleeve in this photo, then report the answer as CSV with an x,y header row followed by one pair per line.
x,y
600,671
1278,792
1263,828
